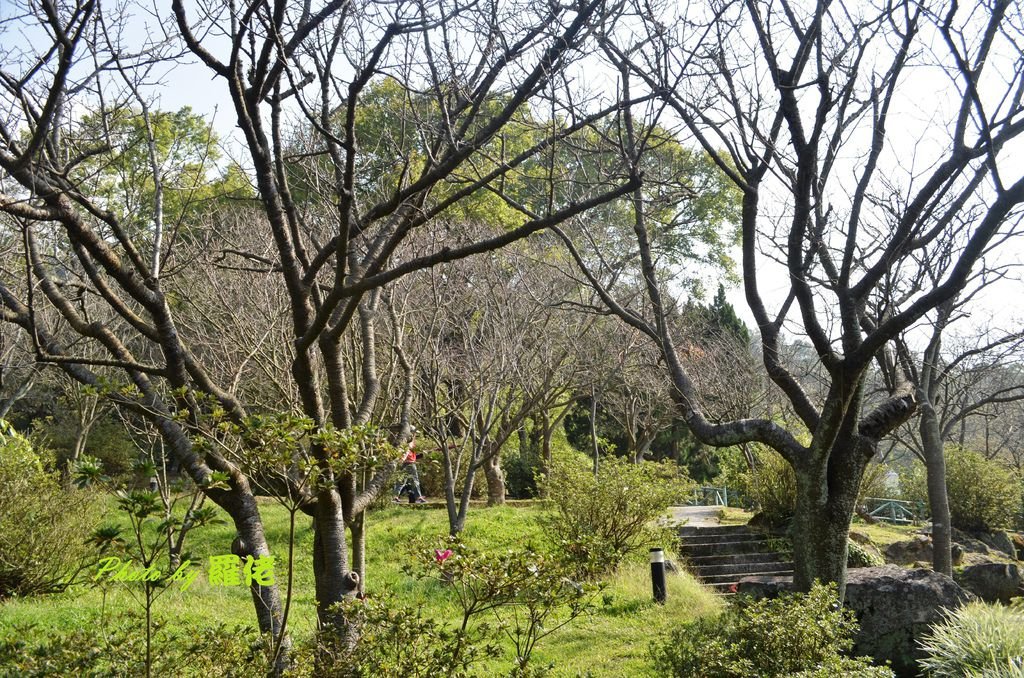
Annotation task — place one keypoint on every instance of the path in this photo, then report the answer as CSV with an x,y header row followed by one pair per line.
x,y
696,516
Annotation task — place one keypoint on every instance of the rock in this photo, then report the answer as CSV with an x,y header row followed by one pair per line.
x,y
895,608
999,541
969,543
764,586
992,582
957,552
1018,542
910,551
860,538
863,554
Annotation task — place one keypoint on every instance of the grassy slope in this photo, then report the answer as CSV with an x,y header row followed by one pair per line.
x,y
882,534
611,642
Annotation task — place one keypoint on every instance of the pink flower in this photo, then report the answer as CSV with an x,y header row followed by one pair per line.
x,y
442,556
733,588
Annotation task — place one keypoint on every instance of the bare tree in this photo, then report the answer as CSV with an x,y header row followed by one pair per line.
x,y
957,379
496,353
334,248
795,104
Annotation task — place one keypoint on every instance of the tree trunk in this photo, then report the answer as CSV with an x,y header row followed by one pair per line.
x,y
545,446
239,503
495,479
449,493
459,523
333,578
826,496
357,529
938,499
820,530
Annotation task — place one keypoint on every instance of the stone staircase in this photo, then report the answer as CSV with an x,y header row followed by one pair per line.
x,y
722,555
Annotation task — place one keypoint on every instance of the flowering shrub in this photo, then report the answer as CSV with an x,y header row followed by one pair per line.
x,y
529,594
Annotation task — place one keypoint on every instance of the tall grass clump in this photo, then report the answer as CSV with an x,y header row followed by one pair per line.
x,y
978,639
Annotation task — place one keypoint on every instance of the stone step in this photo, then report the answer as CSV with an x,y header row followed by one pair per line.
x,y
688,531
757,568
727,558
698,539
720,556
717,579
690,550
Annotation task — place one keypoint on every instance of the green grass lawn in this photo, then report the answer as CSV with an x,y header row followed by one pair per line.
x,y
612,641
882,534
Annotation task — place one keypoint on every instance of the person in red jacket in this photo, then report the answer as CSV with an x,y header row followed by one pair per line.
x,y
409,481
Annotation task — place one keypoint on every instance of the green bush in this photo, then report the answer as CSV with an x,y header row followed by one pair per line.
x,y
770,489
858,556
115,647
793,634
601,519
42,526
396,641
521,476
983,494
978,639
529,595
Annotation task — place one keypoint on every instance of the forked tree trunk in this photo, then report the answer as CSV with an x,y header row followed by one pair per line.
x,y
820,529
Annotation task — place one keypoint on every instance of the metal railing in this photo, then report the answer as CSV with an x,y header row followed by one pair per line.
x,y
710,496
894,511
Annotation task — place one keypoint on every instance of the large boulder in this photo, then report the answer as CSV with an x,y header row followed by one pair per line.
x,y
992,582
895,607
915,550
999,541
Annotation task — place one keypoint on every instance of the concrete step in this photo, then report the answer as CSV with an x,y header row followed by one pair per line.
x,y
698,539
734,578
690,550
688,531
720,556
727,558
743,569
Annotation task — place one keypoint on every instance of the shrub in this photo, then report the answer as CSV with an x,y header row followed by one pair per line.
x,y
114,647
793,634
601,519
978,639
771,488
42,526
396,641
858,556
521,476
529,594
983,494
